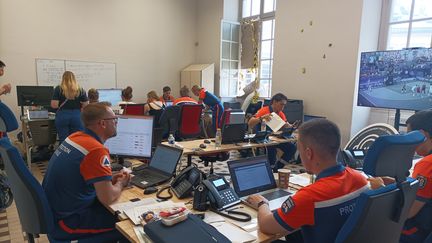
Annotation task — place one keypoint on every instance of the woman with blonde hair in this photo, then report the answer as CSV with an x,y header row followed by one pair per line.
x,y
153,104
68,98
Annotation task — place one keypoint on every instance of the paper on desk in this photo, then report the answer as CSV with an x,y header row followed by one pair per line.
x,y
275,122
121,207
300,180
134,213
233,233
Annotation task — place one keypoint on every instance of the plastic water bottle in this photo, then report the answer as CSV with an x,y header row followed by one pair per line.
x,y
171,139
218,139
263,125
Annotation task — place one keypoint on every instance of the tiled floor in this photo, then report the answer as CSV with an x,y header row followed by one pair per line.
x,y
10,227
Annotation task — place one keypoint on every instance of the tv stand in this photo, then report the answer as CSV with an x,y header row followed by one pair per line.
x,y
124,162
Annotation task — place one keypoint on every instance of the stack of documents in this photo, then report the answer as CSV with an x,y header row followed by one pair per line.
x,y
275,122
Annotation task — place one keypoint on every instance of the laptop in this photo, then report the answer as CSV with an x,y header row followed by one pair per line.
x,y
254,176
168,103
161,167
233,133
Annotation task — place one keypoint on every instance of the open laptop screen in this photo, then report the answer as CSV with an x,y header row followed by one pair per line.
x,y
165,158
252,175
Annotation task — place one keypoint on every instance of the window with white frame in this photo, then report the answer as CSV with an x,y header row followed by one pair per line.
x,y
264,11
405,24
229,59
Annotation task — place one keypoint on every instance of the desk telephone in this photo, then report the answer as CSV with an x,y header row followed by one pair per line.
x,y
184,183
353,158
216,190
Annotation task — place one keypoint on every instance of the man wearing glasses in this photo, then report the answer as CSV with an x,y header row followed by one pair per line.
x,y
79,181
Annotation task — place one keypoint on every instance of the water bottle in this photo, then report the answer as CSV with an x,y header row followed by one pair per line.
x,y
218,139
171,139
263,125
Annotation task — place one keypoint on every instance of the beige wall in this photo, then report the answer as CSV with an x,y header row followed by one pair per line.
x,y
150,41
327,86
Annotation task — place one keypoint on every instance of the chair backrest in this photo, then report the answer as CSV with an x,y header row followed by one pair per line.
x,y
391,155
157,115
169,120
33,208
8,122
373,217
253,108
190,121
379,215
225,118
43,132
133,109
232,105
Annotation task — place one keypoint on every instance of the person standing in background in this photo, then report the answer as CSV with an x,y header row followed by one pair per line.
x,y
126,96
211,101
5,88
68,99
93,95
166,95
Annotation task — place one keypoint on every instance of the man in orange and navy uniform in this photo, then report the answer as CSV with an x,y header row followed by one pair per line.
x,y
79,181
211,101
321,208
277,104
184,97
419,223
166,95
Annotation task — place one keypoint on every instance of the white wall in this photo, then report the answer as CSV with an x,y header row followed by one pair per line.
x,y
370,24
327,86
150,41
209,16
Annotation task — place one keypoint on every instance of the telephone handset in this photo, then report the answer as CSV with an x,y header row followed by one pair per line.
x,y
353,158
220,194
184,183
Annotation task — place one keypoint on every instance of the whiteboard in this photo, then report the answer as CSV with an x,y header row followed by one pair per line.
x,y
88,74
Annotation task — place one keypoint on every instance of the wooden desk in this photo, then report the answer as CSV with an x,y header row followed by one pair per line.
x,y
126,226
191,148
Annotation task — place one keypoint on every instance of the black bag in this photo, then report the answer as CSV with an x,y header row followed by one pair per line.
x,y
192,230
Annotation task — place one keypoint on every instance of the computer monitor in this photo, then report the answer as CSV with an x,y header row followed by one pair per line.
x,y
34,95
111,95
134,137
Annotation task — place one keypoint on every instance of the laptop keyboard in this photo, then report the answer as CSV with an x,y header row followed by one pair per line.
x,y
276,194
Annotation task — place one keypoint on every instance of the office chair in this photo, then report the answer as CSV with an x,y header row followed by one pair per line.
x,y
43,133
8,122
379,215
169,120
253,108
190,121
33,207
133,109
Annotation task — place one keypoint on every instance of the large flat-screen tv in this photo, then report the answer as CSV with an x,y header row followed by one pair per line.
x,y
400,79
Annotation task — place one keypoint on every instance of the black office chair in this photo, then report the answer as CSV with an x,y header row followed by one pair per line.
x,y
34,210
379,214
169,120
253,108
232,105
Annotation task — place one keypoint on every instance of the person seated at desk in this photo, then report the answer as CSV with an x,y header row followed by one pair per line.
x,y
316,208
126,96
93,95
419,223
277,104
166,95
184,97
79,181
154,105
211,101
68,98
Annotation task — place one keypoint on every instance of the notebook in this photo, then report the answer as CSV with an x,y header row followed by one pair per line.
x,y
263,181
161,167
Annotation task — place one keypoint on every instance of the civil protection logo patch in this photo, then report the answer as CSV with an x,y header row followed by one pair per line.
x,y
288,205
105,161
422,181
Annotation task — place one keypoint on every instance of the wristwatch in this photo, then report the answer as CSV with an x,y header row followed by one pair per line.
x,y
262,202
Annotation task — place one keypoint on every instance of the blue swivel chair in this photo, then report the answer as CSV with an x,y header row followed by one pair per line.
x,y
8,122
33,208
379,214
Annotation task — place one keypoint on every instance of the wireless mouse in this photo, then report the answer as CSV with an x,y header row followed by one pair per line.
x,y
202,146
150,190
